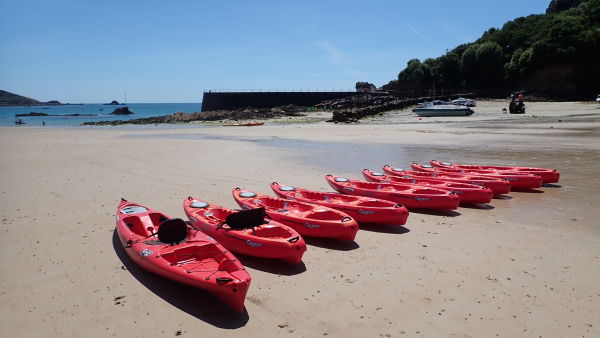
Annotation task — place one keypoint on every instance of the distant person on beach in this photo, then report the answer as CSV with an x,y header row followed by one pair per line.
x,y
43,123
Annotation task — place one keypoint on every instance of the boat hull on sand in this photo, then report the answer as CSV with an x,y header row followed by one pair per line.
x,y
410,195
518,181
267,240
547,175
197,260
443,110
363,209
468,193
307,219
497,185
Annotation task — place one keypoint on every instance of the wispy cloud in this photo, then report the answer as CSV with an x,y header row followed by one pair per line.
x,y
419,34
338,58
459,37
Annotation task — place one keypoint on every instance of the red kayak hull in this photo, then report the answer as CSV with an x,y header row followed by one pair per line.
x,y
270,240
497,185
547,175
198,261
517,180
362,209
468,193
307,219
410,195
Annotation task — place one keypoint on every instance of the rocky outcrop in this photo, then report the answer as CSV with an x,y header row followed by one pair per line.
x,y
31,114
217,115
365,87
122,111
45,114
113,103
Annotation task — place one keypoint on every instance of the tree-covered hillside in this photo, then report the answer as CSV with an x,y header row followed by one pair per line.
x,y
556,54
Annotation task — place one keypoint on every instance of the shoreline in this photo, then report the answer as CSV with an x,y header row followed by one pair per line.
x,y
525,265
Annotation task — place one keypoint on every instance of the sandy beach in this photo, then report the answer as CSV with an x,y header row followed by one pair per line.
x,y
526,265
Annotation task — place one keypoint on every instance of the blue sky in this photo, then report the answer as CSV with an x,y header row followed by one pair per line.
x,y
171,51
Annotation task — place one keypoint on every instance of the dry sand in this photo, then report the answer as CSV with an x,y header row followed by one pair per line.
x,y
525,265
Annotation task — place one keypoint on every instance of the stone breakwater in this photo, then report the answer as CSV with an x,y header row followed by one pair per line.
x,y
218,115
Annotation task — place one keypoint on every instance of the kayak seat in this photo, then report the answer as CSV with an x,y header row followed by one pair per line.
x,y
172,231
246,219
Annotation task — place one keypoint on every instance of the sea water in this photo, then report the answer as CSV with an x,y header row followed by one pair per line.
x,y
100,112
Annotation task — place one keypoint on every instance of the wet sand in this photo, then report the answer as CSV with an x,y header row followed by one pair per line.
x,y
527,264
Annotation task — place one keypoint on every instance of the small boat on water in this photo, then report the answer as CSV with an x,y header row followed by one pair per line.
x,y
247,232
431,110
167,247
19,121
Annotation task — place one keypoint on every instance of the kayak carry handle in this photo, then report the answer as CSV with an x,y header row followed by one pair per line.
x,y
223,280
346,219
238,188
124,200
399,205
275,183
294,240
190,198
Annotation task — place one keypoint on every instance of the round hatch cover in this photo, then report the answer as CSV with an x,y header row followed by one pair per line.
x,y
134,210
198,204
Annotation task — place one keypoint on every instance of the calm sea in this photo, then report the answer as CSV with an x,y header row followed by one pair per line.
x,y
7,114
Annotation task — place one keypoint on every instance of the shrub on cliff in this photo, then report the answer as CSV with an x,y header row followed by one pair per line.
x,y
554,54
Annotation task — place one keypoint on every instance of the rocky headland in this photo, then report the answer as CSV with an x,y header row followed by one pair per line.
x,y
12,99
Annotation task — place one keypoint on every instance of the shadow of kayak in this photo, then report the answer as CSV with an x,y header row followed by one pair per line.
x,y
196,302
271,265
384,228
330,243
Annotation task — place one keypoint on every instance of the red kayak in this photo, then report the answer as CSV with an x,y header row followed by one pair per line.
x,y
410,195
167,247
547,175
307,219
497,185
246,232
362,209
468,193
517,180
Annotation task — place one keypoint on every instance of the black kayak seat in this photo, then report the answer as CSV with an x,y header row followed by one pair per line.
x,y
172,231
246,219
